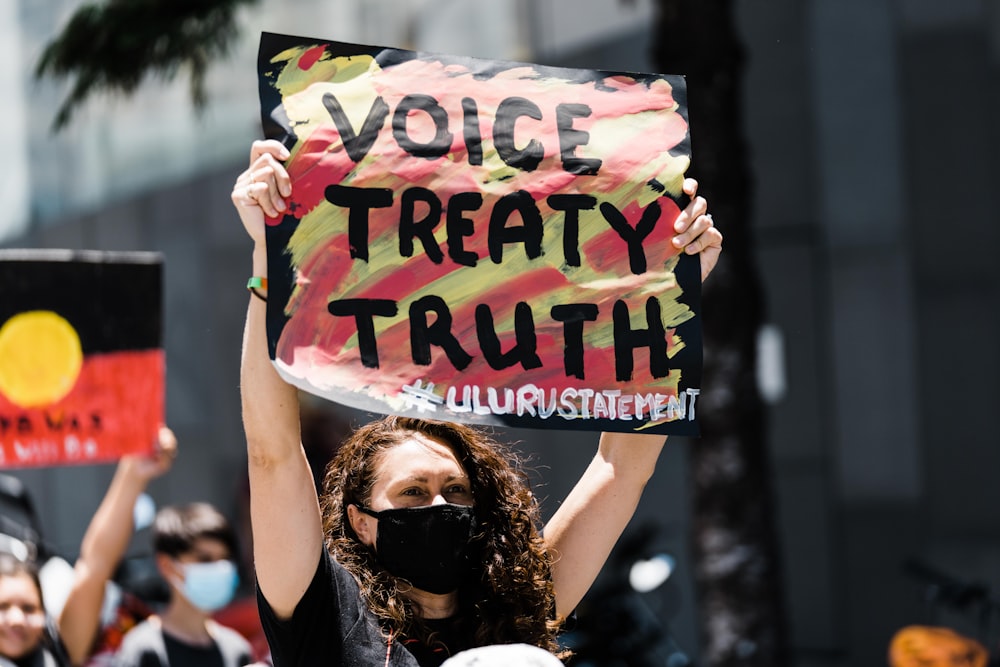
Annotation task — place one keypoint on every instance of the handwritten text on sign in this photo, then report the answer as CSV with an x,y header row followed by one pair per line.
x,y
481,240
81,356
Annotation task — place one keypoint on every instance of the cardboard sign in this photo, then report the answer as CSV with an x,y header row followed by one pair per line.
x,y
81,358
481,241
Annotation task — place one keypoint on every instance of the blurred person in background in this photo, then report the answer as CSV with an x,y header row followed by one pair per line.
x,y
933,646
195,549
28,636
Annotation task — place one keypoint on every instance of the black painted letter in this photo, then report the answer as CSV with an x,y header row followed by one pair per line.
x,y
525,350
423,335
357,145
470,130
458,226
364,312
633,237
572,205
529,233
508,112
424,228
440,144
359,201
573,315
570,138
627,339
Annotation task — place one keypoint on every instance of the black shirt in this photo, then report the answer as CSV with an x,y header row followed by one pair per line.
x,y
331,625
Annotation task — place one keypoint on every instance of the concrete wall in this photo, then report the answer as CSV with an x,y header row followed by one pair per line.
x,y
870,123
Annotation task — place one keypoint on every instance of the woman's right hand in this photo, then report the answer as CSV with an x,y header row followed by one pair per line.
x,y
285,510
261,190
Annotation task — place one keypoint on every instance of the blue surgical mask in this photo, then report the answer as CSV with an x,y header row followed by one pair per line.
x,y
209,586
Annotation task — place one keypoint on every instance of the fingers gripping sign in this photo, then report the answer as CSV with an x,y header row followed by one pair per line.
x,y
696,231
260,191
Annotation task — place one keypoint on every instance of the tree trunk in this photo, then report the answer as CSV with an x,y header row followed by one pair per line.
x,y
735,551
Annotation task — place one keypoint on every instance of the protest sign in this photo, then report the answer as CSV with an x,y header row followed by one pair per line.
x,y
480,240
81,358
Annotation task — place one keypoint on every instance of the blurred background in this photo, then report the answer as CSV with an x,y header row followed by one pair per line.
x,y
861,240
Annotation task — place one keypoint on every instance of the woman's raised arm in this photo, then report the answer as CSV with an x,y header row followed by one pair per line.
x,y
585,528
284,509
589,522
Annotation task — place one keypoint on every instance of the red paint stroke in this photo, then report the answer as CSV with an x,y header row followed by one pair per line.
x,y
310,57
314,344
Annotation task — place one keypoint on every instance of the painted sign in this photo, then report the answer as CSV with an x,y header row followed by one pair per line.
x,y
479,240
81,359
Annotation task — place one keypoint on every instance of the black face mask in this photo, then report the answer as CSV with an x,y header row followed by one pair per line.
x,y
428,546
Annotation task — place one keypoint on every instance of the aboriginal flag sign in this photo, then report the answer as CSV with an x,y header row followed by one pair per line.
x,y
479,240
81,358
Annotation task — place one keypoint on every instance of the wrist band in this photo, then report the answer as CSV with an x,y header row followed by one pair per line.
x,y
255,283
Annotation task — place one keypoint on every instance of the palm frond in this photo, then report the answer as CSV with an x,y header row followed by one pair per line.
x,y
112,46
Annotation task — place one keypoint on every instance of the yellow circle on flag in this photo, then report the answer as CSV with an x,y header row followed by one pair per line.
x,y
40,358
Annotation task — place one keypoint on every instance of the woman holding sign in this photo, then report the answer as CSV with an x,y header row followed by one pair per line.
x,y
426,541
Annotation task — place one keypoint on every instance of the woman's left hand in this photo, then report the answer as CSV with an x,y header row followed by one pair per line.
x,y
696,231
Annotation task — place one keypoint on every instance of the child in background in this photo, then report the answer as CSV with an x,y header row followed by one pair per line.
x,y
195,547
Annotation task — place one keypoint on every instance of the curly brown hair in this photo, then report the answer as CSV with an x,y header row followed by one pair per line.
x,y
511,599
